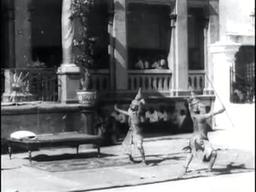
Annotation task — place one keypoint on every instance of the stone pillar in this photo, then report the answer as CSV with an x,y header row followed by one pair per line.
x,y
180,73
8,44
223,56
111,47
68,72
208,67
171,55
22,29
214,26
211,35
120,52
8,56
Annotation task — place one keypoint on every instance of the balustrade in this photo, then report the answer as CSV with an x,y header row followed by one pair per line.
x,y
150,80
100,80
196,80
43,81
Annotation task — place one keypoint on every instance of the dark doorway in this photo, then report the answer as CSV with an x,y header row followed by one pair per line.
x,y
148,29
243,76
196,38
46,32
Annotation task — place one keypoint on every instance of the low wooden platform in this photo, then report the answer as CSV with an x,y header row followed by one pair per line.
x,y
68,139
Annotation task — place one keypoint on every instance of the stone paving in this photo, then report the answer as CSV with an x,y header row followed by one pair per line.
x,y
164,154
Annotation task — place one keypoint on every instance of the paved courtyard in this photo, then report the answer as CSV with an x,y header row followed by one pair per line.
x,y
234,163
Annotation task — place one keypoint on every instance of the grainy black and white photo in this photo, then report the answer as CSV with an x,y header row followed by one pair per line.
x,y
127,95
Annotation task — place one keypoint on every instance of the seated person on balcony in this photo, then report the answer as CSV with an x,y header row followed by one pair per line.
x,y
160,64
155,65
146,64
163,64
139,64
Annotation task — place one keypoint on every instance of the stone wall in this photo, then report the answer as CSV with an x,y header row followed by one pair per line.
x,y
46,119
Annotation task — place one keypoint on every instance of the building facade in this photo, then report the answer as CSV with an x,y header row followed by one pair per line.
x,y
165,47
126,31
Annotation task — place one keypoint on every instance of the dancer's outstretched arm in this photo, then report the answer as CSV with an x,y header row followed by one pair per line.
x,y
209,115
120,110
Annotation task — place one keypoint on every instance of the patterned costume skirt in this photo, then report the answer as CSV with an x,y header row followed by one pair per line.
x,y
132,138
197,143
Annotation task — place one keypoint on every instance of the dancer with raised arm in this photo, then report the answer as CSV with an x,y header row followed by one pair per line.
x,y
199,140
134,135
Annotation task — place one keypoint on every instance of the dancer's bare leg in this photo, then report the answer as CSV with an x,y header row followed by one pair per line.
x,y
212,160
141,149
185,167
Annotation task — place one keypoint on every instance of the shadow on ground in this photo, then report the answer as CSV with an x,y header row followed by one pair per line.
x,y
200,173
67,156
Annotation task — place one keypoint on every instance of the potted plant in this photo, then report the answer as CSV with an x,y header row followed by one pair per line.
x,y
20,88
83,48
85,95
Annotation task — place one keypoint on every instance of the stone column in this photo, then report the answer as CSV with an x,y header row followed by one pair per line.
x,y
180,73
208,67
223,56
111,47
120,52
214,24
9,56
171,55
211,33
22,27
68,72
8,34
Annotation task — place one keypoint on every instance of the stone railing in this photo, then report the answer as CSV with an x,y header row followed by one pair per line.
x,y
150,80
100,80
196,79
42,82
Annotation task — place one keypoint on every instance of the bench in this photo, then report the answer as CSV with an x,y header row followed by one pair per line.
x,y
65,139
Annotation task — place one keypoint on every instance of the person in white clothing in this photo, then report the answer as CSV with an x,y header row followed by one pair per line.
x,y
151,115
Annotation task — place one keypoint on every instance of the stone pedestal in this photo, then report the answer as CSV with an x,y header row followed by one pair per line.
x,y
223,56
68,83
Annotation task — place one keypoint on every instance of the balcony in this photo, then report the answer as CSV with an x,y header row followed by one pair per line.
x,y
43,82
151,81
